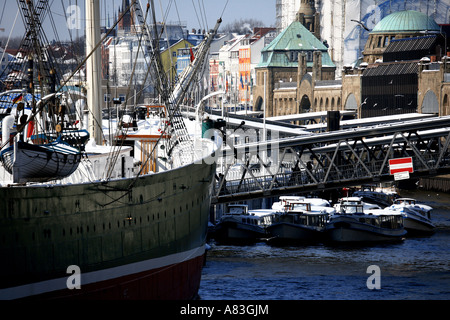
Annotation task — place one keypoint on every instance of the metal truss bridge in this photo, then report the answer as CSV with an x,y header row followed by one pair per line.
x,y
330,160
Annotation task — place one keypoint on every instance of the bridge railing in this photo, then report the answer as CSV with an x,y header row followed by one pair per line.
x,y
337,159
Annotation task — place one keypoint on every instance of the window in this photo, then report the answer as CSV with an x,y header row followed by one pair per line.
x,y
380,39
293,56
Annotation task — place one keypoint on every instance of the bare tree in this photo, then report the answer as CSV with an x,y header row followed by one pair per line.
x,y
242,26
14,43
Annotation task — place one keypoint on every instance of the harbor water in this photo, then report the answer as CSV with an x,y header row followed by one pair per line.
x,y
417,268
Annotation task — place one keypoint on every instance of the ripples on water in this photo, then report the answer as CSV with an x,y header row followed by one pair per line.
x,y
417,268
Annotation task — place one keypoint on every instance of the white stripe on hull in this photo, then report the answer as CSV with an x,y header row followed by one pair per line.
x,y
28,290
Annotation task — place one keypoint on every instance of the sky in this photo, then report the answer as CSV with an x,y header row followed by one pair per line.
x,y
198,14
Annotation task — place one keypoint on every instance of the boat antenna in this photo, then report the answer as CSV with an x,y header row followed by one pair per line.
x,y
224,8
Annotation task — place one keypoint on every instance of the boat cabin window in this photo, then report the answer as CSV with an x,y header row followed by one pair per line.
x,y
352,209
406,201
238,210
300,206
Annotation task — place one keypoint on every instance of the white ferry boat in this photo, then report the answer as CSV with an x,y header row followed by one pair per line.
x,y
298,222
239,225
352,223
417,217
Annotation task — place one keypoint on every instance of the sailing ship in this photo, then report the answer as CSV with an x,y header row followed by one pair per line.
x,y
140,237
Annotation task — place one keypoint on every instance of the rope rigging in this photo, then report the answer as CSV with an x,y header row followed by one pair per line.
x,y
171,94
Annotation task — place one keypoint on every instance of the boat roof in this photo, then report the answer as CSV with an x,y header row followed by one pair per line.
x,y
382,212
292,198
261,212
357,199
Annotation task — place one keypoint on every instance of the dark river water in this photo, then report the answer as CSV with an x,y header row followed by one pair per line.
x,y
415,269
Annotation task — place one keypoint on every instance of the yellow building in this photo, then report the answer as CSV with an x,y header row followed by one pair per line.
x,y
169,58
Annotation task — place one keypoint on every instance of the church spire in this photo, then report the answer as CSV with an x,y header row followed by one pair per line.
x,y
308,16
128,19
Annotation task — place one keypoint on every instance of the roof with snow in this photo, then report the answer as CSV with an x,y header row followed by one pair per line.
x,y
284,49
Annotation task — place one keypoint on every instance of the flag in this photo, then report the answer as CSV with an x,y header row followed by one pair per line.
x,y
212,84
192,54
242,82
18,99
30,131
226,89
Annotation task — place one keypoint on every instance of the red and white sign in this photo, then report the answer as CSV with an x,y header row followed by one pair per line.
x,y
401,165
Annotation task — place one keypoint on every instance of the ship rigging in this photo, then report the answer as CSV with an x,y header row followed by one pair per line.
x,y
131,236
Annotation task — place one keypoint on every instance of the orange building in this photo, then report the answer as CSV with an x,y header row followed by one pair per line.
x,y
244,71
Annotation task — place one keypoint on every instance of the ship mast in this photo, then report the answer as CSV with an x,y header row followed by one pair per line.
x,y
93,69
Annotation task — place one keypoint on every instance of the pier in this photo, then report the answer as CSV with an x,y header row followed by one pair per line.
x,y
328,160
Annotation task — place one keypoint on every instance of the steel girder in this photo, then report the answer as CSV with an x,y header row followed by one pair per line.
x,y
333,159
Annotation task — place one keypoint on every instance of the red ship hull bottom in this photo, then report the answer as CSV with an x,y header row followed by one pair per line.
x,y
176,281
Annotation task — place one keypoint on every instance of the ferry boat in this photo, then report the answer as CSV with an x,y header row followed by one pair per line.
x,y
317,204
298,222
239,225
352,223
380,196
417,217
138,237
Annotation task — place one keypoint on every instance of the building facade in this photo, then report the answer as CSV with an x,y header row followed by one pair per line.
x,y
346,24
295,56
409,74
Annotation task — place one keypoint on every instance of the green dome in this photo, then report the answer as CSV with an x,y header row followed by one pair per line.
x,y
406,21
